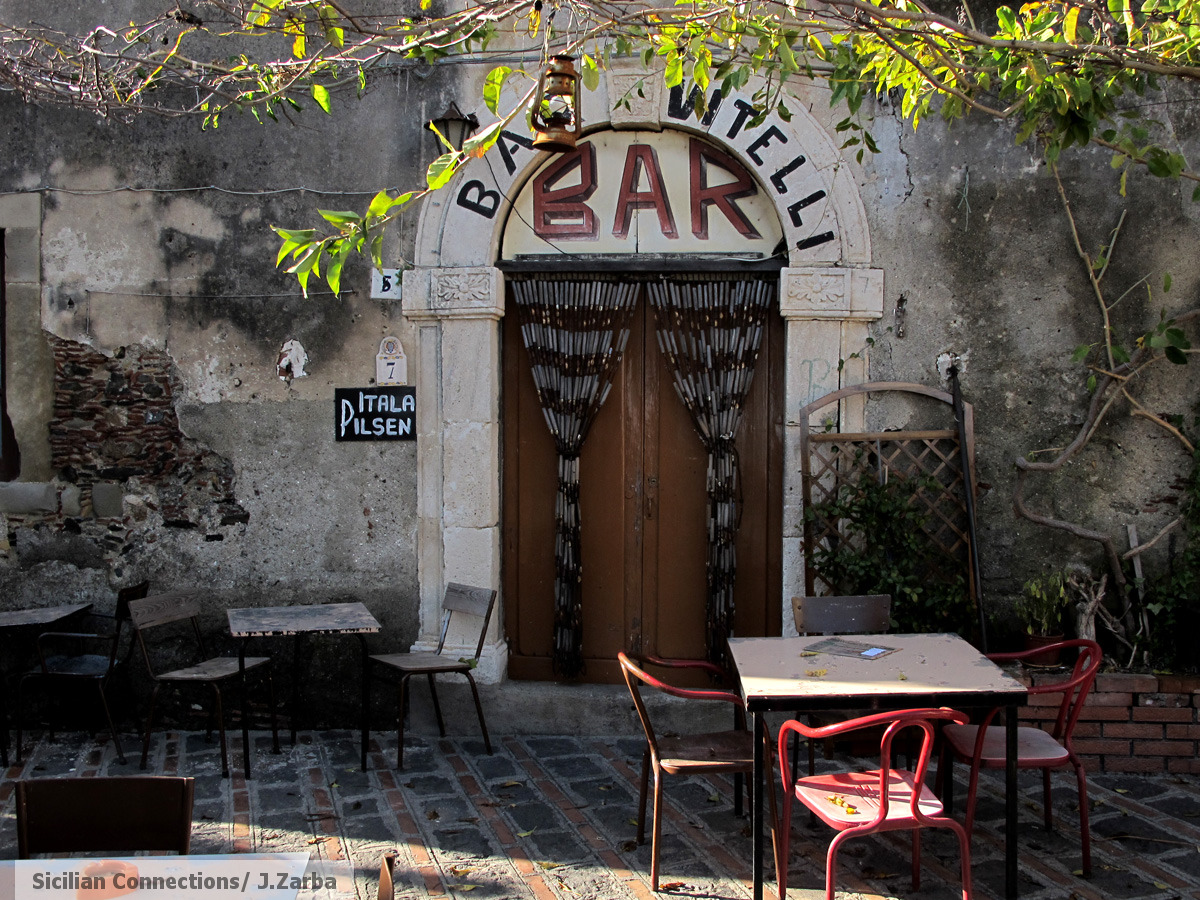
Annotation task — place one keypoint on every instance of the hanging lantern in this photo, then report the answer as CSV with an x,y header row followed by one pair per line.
x,y
556,116
454,127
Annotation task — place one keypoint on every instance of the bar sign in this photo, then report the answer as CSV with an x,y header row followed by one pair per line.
x,y
375,413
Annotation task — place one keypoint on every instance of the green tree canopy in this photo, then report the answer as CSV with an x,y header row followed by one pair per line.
x,y
1067,72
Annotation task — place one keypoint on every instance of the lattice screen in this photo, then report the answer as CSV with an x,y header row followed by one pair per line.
x,y
934,457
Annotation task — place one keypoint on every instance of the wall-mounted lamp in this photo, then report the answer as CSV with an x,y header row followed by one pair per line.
x,y
556,115
454,127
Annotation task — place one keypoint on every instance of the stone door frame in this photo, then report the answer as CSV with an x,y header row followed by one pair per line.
x,y
455,297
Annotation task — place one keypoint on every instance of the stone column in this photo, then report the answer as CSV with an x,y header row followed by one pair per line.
x,y
829,311
458,312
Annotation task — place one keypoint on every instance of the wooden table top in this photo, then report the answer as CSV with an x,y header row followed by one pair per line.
x,y
46,615
809,672
326,618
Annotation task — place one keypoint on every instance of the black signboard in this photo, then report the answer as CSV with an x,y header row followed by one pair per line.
x,y
375,413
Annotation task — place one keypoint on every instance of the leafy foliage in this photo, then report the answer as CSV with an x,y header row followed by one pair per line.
x,y
1068,72
1043,603
884,550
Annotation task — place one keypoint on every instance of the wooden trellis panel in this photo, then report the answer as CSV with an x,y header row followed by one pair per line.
x,y
832,459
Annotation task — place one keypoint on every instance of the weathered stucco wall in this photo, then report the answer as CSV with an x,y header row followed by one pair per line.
x,y
147,245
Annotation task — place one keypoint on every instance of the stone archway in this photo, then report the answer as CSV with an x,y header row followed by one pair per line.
x,y
455,296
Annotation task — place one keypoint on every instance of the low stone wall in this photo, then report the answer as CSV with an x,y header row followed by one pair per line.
x,y
1146,724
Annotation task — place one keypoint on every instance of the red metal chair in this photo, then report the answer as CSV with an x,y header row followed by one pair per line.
x,y
861,803
730,752
983,745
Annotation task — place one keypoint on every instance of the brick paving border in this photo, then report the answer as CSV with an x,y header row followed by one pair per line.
x,y
553,818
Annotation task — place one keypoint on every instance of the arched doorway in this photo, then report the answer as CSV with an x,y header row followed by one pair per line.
x,y
457,298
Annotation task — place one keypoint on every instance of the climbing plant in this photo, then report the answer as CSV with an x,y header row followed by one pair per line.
x,y
882,548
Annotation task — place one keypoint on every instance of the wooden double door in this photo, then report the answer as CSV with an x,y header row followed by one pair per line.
x,y
643,511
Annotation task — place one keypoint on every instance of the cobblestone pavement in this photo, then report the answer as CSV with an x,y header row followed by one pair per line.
x,y
553,817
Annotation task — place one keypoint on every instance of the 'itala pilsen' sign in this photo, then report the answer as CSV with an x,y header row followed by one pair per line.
x,y
375,413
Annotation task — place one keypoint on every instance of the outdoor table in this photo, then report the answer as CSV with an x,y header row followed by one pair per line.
x,y
921,670
12,622
280,621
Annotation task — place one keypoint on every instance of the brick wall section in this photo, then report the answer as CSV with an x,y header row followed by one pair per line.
x,y
115,426
1130,722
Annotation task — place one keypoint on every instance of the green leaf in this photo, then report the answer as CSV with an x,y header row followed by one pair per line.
x,y
1070,23
493,85
320,93
1091,383
380,204
1120,354
1166,282
479,144
788,58
591,73
674,74
441,170
1081,353
306,234
1175,355
339,218
337,259
1178,339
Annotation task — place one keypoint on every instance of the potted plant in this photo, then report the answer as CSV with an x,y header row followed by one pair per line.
x,y
1041,607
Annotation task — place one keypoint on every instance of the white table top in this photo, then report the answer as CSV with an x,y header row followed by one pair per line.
x,y
325,618
782,673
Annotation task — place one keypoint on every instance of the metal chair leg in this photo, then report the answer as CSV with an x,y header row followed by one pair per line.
x,y
111,726
437,707
487,741
219,712
149,725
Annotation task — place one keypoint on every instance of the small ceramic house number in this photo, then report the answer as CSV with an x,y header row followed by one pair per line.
x,y
391,365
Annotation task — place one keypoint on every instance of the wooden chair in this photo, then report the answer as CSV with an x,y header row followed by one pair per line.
x,y
865,614
74,659
983,745
729,752
167,609
460,600
861,803
124,814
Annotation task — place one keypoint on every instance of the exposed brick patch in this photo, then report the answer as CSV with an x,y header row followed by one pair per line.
x,y
114,423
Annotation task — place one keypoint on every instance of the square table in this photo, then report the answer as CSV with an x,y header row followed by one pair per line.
x,y
15,620
279,621
924,670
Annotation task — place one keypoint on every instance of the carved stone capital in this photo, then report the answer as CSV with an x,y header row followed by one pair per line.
x,y
831,292
635,98
457,293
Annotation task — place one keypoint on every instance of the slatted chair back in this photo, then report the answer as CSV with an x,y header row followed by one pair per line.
x,y
865,614
123,814
166,609
471,601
